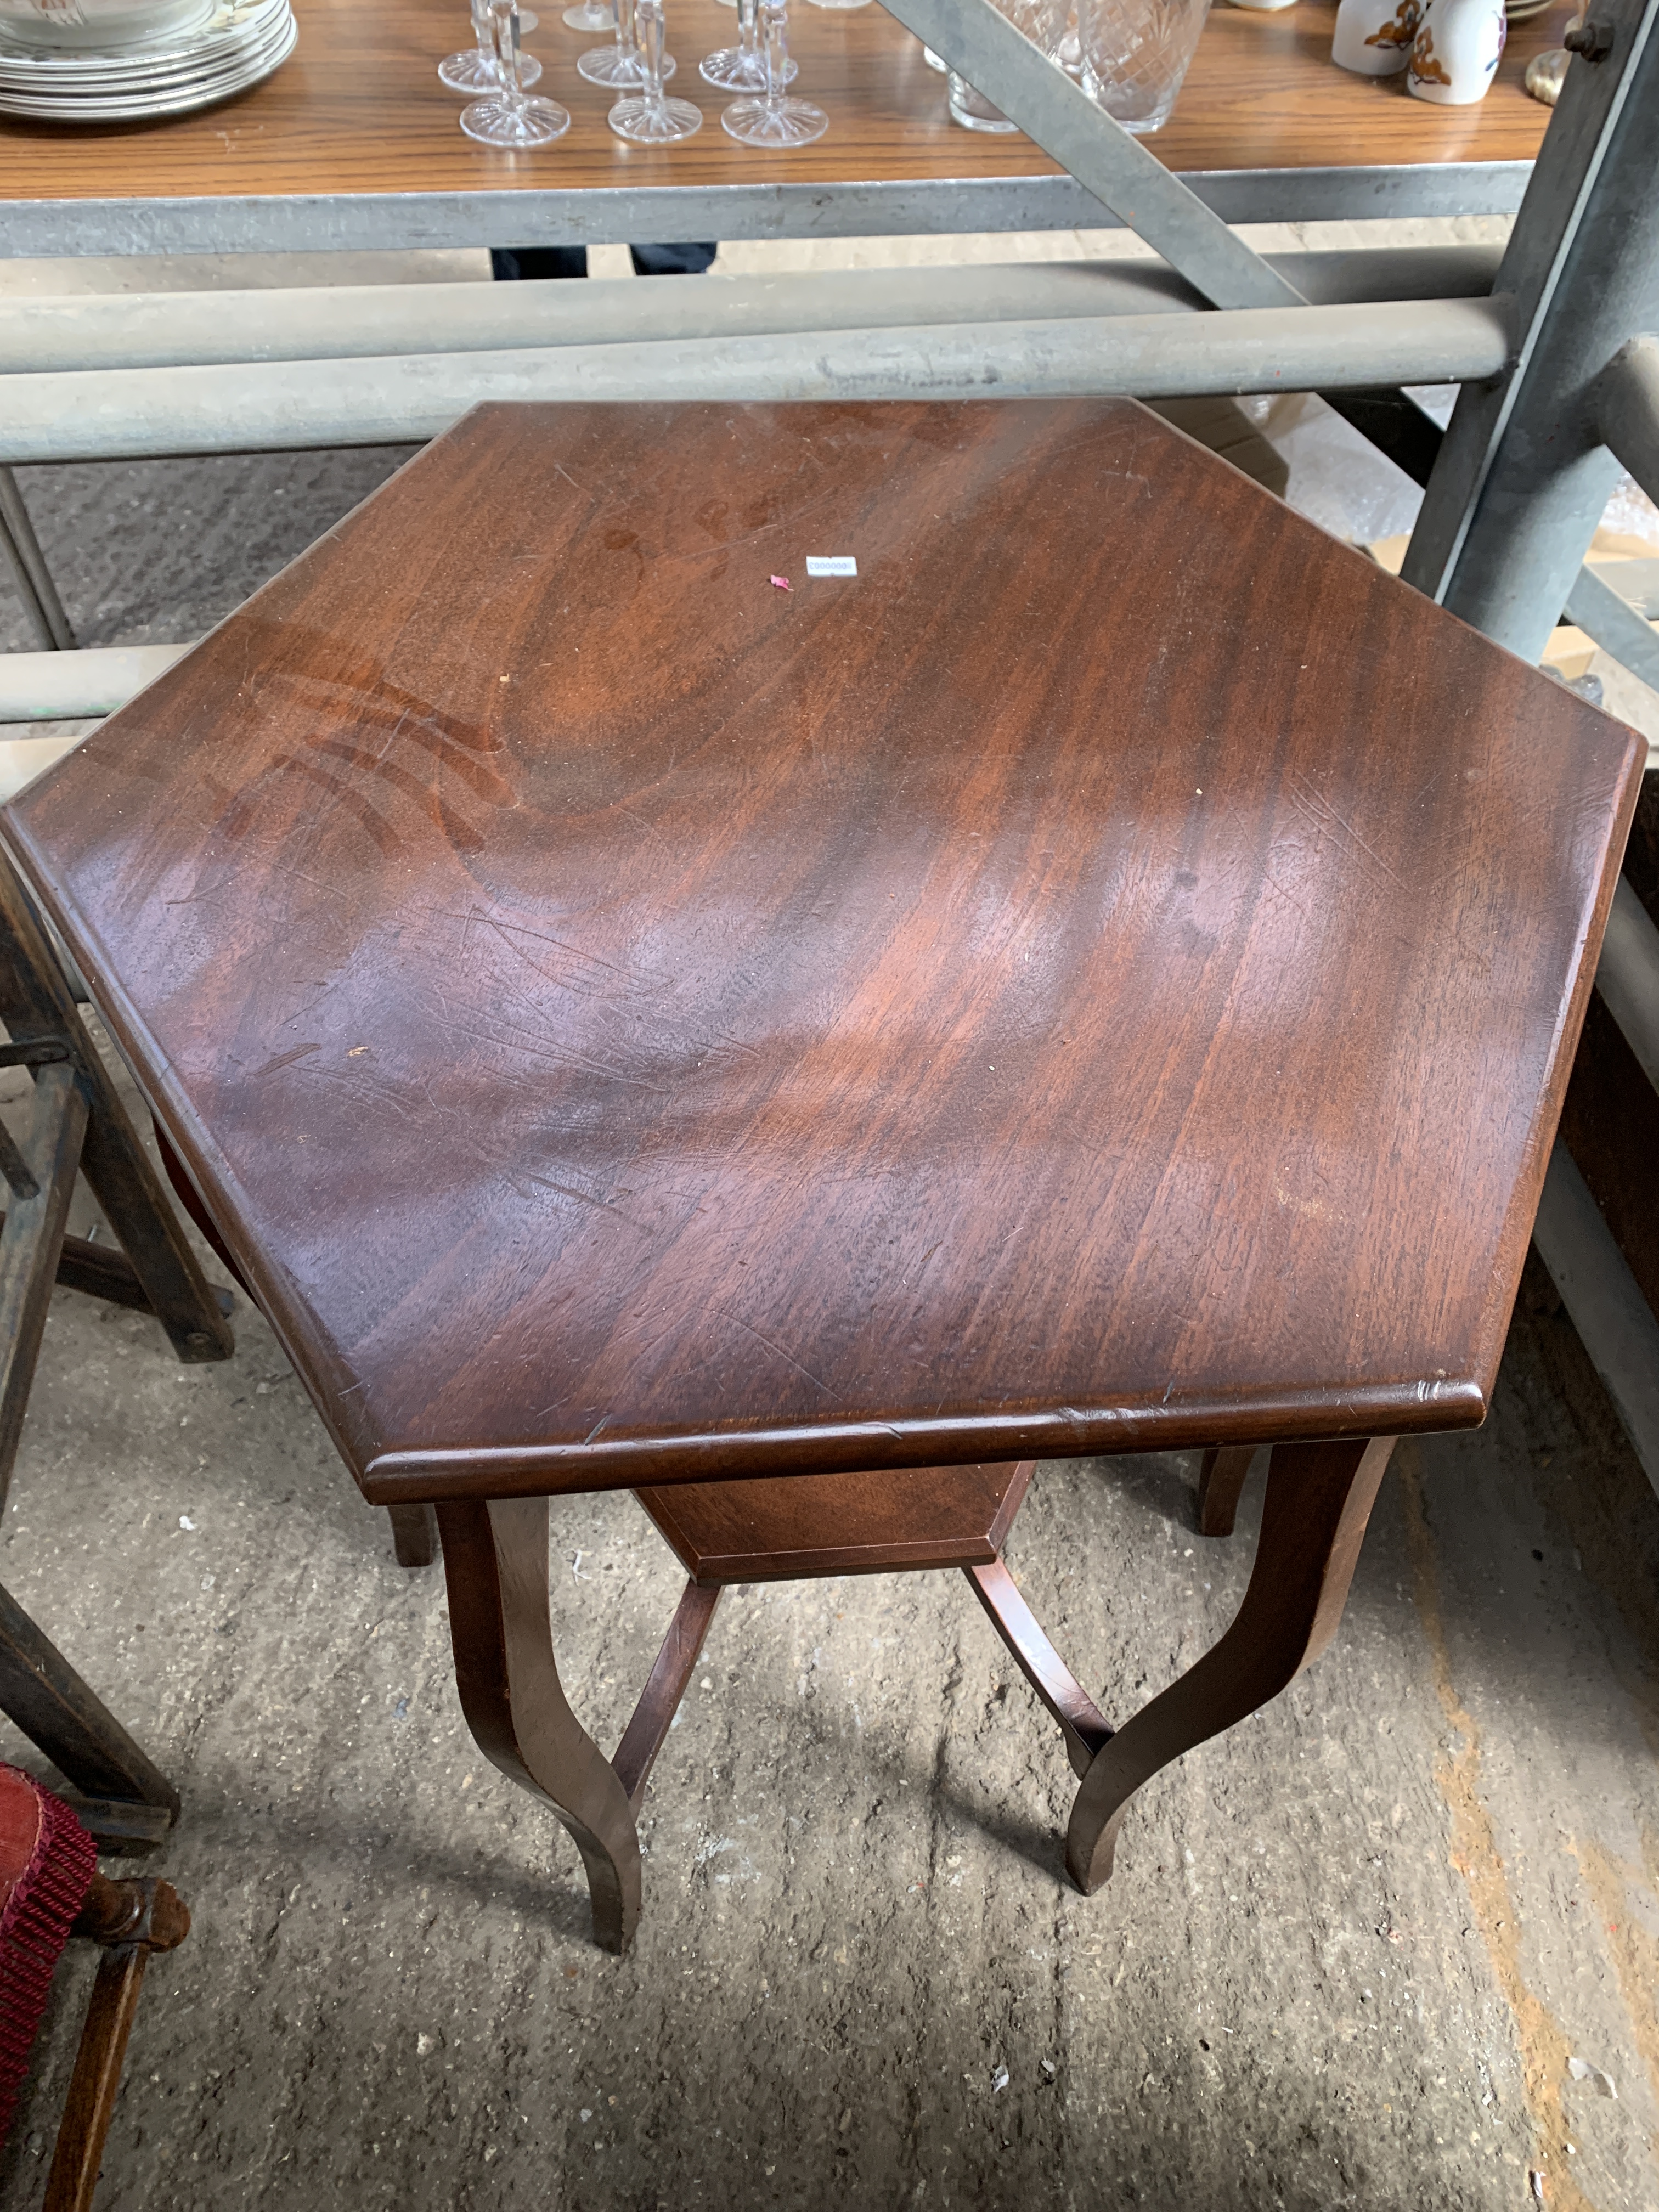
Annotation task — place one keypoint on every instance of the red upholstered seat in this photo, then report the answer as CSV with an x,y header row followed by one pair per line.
x,y
48,1860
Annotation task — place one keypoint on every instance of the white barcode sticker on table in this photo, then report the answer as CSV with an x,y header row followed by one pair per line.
x,y
825,564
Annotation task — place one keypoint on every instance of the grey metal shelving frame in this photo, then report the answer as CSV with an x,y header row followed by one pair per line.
x,y
1556,351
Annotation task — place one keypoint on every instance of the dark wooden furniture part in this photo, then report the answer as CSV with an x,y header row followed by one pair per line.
x,y
131,1919
77,1121
1101,980
49,1887
358,109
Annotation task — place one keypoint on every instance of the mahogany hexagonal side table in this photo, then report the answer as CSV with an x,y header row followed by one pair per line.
x,y
1095,972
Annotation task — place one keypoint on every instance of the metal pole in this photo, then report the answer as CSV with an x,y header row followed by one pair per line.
x,y
1625,404
64,687
163,329
1606,1306
1627,977
273,405
29,571
1598,611
1523,474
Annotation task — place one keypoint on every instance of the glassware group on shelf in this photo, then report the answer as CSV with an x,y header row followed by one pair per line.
x,y
636,65
1131,55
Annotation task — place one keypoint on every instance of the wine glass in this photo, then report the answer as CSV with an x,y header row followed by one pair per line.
x,y
507,116
591,15
742,68
618,64
776,119
648,117
476,71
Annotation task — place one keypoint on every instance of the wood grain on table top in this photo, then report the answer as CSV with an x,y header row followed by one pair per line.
x,y
1099,980
358,109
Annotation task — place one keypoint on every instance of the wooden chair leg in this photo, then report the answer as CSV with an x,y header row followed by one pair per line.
x,y
92,2086
42,1693
495,1563
132,1919
1319,1498
414,1534
36,1004
1083,1725
41,1175
1220,1480
653,1715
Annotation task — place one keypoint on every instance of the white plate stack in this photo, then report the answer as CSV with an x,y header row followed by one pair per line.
x,y
99,73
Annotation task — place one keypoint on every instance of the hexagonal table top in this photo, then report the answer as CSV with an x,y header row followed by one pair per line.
x,y
1102,975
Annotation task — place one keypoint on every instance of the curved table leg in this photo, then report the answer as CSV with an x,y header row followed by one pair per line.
x,y
495,1560
1319,1499
1220,1478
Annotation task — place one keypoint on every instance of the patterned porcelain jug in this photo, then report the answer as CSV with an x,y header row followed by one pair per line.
x,y
1372,39
1455,55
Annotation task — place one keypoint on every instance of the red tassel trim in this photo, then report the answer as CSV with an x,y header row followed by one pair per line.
x,y
34,1927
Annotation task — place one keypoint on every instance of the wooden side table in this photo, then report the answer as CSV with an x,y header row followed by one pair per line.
x,y
644,1009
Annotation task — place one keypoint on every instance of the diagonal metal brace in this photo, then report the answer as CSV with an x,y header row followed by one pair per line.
x,y
982,45
22,554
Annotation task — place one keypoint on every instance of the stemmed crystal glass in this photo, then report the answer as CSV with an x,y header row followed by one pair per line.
x,y
742,68
476,70
590,16
777,117
619,63
507,116
649,117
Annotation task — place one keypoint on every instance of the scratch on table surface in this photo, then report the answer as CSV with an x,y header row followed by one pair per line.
x,y
1310,801
587,1198
1543,2045
512,929
723,1314
285,1059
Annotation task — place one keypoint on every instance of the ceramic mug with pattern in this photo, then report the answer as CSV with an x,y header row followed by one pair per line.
x,y
1456,54
1373,40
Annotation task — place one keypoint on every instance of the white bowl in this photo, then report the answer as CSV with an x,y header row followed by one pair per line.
x,y
76,25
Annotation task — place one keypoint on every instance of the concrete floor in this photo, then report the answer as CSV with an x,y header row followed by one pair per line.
x,y
1347,1956
1347,1959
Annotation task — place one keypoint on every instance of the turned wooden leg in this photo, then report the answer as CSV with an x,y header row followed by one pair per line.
x,y
130,1919
1220,1480
97,2077
1319,1498
414,1534
495,1561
